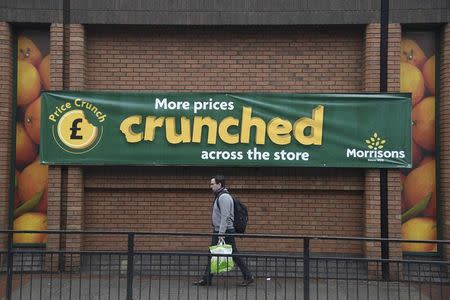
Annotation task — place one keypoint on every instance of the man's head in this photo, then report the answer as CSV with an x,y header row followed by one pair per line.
x,y
217,182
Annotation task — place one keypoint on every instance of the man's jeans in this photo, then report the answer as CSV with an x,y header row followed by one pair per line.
x,y
207,276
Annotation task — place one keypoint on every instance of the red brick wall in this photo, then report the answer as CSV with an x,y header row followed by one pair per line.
x,y
283,201
6,79
444,108
289,201
180,210
225,59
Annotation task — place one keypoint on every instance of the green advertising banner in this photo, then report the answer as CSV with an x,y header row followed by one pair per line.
x,y
220,129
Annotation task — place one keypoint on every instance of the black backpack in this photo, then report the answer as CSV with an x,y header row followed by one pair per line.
x,y
240,214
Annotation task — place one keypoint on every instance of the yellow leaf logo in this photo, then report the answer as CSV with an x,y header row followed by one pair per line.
x,y
375,142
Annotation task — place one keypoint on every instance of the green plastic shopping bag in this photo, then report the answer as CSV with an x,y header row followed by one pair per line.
x,y
221,264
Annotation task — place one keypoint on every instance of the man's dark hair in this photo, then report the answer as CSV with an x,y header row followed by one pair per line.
x,y
219,179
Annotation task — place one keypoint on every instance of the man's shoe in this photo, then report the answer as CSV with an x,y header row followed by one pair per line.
x,y
202,282
247,281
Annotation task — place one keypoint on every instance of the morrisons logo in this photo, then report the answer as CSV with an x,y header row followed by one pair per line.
x,y
375,151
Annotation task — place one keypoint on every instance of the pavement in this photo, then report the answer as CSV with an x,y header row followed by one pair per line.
x,y
75,286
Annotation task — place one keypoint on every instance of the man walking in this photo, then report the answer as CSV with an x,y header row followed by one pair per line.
x,y
222,221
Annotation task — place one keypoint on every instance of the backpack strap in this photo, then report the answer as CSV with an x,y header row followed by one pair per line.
x,y
217,199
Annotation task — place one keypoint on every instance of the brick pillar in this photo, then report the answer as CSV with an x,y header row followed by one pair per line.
x,y
371,62
444,124
6,99
56,56
372,228
53,214
372,219
75,213
76,58
371,81
394,184
76,64
54,172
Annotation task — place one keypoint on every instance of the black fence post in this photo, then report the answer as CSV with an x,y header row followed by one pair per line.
x,y
384,207
130,266
306,268
9,267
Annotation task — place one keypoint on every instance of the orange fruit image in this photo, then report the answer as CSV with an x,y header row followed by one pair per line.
x,y
26,150
419,229
17,201
423,117
44,71
429,73
30,221
34,179
32,120
43,204
416,154
419,184
411,81
28,83
426,159
411,53
27,51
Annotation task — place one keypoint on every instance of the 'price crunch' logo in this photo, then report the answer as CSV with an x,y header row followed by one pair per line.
x,y
73,129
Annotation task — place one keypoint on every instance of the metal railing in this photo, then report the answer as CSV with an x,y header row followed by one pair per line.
x,y
39,273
